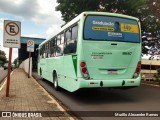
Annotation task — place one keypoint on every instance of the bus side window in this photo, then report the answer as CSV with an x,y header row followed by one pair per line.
x,y
62,38
58,39
75,32
71,46
67,39
68,35
40,52
46,50
71,40
43,51
74,38
52,47
49,48
59,49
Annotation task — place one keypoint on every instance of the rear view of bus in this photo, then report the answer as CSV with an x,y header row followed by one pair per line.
x,y
110,53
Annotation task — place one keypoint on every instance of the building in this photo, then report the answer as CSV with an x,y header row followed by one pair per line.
x,y
23,54
149,67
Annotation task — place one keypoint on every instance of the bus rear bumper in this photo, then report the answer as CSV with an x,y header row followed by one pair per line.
x,y
109,83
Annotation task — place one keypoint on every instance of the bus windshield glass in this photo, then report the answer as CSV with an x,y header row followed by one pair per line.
x,y
106,28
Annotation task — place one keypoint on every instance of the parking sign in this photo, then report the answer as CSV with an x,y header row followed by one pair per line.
x,y
12,34
30,45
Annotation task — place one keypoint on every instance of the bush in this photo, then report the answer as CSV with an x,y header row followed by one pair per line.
x,y
157,75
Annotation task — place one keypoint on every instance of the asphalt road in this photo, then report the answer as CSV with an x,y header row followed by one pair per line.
x,y
3,74
143,98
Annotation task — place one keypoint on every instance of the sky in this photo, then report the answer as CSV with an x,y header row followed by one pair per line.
x,y
38,19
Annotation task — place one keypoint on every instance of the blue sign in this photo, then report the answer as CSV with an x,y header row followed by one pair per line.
x,y
111,29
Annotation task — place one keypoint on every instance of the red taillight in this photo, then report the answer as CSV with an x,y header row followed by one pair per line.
x,y
138,67
83,64
84,70
137,71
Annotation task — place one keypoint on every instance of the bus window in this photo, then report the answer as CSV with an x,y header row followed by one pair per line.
x,y
68,35
52,47
75,33
58,40
71,40
59,48
43,53
62,38
105,28
47,51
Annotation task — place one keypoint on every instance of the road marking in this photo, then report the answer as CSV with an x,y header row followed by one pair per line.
x,y
5,82
150,84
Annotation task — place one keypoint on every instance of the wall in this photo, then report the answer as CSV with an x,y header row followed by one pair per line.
x,y
25,65
23,54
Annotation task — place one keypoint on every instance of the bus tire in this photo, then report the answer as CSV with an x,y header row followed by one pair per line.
x,y
55,81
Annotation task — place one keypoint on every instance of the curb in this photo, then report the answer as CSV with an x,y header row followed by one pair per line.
x,y
151,85
4,81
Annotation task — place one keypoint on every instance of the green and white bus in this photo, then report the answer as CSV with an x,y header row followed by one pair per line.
x,y
95,49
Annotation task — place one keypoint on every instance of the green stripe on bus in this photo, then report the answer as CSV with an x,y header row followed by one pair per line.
x,y
74,58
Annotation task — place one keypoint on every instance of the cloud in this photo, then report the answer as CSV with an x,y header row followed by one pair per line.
x,y
51,31
40,11
1,23
24,8
32,35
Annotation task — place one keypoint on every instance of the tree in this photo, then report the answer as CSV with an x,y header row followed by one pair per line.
x,y
71,8
3,58
157,75
15,62
151,29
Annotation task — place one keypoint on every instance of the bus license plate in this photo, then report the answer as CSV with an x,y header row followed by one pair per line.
x,y
112,72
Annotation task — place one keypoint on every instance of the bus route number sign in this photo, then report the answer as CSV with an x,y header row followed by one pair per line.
x,y
30,45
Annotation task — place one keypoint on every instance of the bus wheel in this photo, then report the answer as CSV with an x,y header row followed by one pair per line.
x,y
55,82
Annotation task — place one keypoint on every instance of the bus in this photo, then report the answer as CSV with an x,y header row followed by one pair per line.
x,y
94,50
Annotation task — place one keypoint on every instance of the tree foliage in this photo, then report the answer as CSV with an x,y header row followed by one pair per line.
x,y
3,58
150,20
16,62
157,75
71,8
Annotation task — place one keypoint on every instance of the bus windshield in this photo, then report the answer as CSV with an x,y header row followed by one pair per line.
x,y
108,28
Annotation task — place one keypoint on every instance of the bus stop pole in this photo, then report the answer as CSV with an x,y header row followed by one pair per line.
x,y
29,65
9,71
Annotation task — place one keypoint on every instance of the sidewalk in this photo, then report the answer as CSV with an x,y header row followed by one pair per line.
x,y
26,95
